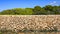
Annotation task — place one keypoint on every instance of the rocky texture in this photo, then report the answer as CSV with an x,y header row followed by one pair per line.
x,y
29,22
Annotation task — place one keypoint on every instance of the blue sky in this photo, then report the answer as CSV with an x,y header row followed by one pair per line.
x,y
9,4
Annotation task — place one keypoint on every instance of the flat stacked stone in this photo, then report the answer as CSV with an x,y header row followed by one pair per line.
x,y
29,22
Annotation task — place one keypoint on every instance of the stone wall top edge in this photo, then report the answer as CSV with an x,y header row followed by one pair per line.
x,y
26,15
29,15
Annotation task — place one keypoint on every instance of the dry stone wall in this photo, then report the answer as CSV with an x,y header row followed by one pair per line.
x,y
29,22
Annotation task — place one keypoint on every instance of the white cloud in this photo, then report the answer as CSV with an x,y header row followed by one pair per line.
x,y
53,3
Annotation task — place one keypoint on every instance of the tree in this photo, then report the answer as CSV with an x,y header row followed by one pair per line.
x,y
48,7
7,12
56,9
27,11
43,12
18,11
36,10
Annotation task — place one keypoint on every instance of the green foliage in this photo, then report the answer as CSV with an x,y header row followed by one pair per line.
x,y
7,12
0,32
52,9
27,11
56,9
17,11
48,7
37,10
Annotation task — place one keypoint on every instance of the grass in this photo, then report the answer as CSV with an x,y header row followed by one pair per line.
x,y
0,32
25,30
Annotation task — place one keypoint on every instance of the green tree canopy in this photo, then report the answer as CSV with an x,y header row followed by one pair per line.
x,y
27,11
37,10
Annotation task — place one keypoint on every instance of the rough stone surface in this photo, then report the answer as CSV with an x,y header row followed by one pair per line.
x,y
29,22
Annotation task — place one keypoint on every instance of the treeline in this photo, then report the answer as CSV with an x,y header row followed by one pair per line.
x,y
37,10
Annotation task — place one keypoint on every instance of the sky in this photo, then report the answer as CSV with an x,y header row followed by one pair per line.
x,y
9,4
